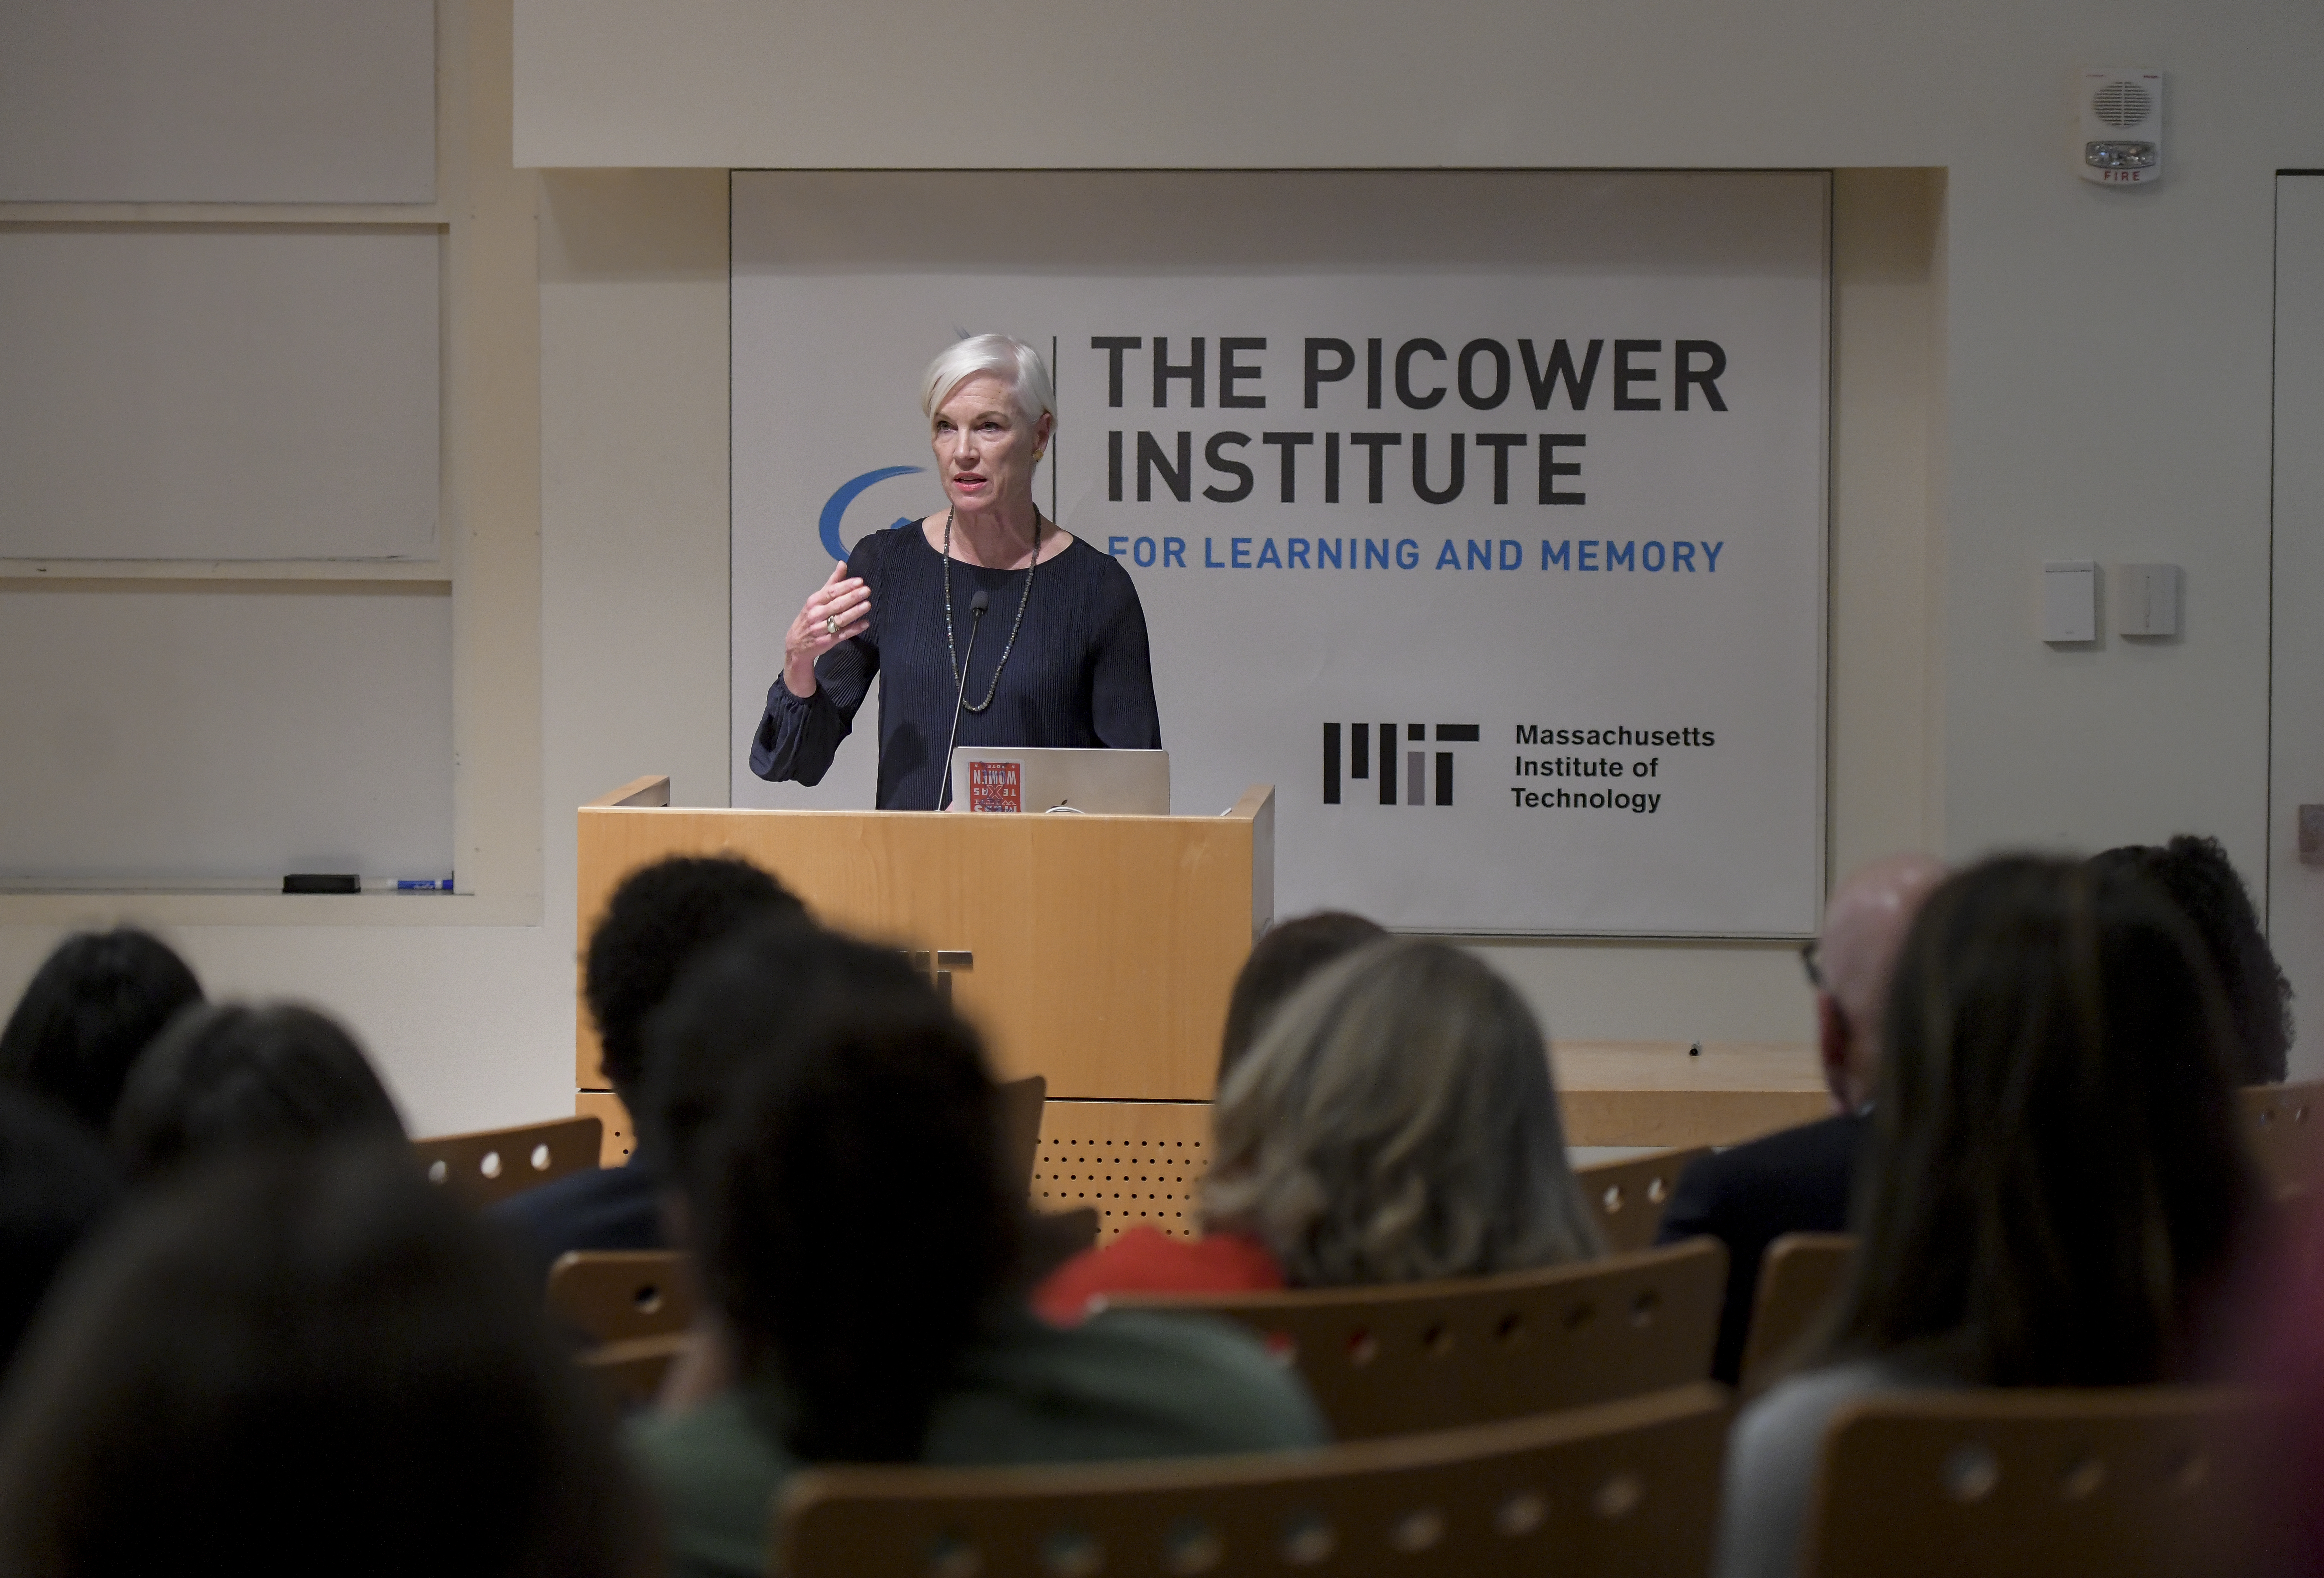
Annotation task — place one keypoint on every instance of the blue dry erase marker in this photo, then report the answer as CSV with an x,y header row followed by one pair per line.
x,y
407,884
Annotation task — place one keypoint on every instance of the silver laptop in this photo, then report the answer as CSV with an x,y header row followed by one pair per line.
x,y
1110,783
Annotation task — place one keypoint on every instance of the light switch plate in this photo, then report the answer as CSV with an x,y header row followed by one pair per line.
x,y
2069,601
2146,600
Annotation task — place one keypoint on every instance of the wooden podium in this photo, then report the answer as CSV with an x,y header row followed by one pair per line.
x,y
1095,951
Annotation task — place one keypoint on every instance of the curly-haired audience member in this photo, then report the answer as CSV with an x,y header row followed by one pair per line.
x,y
2199,878
658,920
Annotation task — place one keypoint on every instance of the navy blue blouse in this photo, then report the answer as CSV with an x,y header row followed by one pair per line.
x,y
1080,675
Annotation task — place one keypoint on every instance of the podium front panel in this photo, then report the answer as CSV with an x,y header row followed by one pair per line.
x,y
1095,951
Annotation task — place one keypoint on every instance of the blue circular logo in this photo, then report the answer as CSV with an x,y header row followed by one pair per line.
x,y
836,506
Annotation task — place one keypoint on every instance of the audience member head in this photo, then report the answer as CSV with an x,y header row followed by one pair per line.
x,y
56,1183
90,1008
2058,1180
1290,952
1396,1122
304,1362
1850,963
835,1133
660,917
228,1079
2197,876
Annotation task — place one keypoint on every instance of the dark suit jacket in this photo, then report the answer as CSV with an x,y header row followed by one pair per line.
x,y
606,1208
1795,1180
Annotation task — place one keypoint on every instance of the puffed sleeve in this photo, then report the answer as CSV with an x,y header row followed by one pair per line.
x,y
1121,689
797,737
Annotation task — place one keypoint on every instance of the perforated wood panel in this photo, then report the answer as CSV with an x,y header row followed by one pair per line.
x,y
1133,1161
494,1164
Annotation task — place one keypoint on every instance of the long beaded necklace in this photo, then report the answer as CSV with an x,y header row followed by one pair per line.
x,y
952,653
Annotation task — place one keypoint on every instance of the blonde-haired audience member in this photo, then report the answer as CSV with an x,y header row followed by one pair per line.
x,y
1394,1122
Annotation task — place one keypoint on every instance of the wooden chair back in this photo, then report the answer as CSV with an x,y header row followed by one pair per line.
x,y
496,1163
1628,1196
2282,1121
1799,1278
1021,1104
610,1295
1389,1361
630,1372
2124,1482
1628,1488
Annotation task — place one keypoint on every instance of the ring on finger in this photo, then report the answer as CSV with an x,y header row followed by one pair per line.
x,y
831,625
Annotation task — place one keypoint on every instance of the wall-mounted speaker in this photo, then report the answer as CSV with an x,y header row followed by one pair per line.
x,y
2121,126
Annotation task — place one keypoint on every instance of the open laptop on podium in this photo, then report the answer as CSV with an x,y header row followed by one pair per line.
x,y
1107,783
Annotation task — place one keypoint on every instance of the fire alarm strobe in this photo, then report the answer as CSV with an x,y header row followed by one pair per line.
x,y
2121,143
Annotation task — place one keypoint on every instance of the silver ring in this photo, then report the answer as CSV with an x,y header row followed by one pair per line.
x,y
831,625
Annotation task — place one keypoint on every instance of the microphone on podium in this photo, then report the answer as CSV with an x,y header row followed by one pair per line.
x,y
976,607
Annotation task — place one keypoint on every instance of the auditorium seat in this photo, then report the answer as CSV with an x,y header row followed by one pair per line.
x,y
1799,1278
1628,1196
631,1370
1621,1487
495,1163
2283,1122
1387,1361
610,1295
2123,1483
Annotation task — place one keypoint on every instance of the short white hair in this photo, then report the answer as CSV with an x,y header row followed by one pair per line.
x,y
1009,359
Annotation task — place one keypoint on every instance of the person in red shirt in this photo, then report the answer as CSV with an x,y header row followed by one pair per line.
x,y
1392,1121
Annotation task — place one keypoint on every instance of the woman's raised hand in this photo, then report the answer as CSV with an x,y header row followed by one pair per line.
x,y
837,610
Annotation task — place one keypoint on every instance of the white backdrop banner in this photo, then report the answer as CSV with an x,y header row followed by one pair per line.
x,y
1481,514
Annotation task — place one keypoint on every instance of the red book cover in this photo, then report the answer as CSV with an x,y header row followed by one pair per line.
x,y
994,786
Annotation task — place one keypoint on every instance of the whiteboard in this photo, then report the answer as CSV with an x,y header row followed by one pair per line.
x,y
164,731
222,101
230,392
1572,687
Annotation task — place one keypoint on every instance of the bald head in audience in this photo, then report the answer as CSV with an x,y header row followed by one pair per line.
x,y
1864,928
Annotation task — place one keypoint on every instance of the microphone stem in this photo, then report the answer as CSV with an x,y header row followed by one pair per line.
x,y
975,618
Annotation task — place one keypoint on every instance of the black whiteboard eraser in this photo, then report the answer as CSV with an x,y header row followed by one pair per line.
x,y
320,882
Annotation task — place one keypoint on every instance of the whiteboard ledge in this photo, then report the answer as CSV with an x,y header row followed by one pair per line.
x,y
96,911
226,569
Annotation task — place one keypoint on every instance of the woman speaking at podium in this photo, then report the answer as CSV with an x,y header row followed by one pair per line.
x,y
1036,637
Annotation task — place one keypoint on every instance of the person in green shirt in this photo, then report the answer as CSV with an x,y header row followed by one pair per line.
x,y
832,1134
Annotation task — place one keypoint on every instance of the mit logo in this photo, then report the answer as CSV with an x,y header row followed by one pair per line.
x,y
1359,762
